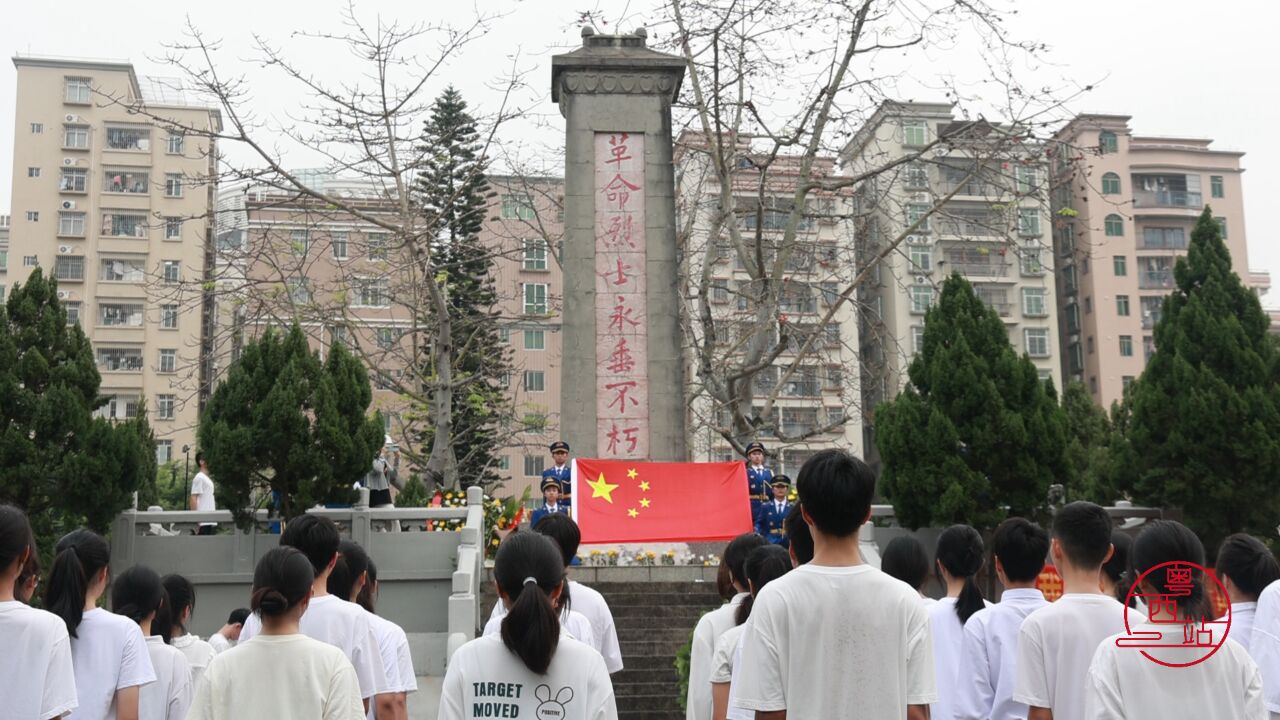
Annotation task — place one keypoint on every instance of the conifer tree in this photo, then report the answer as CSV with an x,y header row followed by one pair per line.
x,y
453,192
58,462
1088,452
286,428
1202,435
975,431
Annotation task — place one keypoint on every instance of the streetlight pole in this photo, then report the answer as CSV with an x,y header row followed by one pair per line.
x,y
186,499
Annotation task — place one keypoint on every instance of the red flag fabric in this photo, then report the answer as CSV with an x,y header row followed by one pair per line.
x,y
624,501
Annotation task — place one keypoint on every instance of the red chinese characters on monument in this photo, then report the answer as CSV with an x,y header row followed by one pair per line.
x,y
622,382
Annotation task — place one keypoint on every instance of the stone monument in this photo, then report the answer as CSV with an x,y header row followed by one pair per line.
x,y
622,374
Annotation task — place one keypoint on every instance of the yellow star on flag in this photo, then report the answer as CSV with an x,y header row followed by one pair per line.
x,y
631,474
644,485
644,502
632,512
600,488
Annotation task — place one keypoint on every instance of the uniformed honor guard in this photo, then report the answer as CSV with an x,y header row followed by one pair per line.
x,y
560,471
551,502
773,514
758,478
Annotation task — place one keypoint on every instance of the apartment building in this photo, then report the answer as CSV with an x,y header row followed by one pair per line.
x,y
817,406
4,255
1125,206
112,198
973,201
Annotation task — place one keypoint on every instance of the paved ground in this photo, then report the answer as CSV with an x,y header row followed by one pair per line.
x,y
424,703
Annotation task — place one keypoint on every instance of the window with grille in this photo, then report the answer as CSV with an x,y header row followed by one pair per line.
x,y
78,91
120,359
165,406
71,224
169,317
373,292
73,181
69,267
168,361
173,185
122,270
172,271
1037,341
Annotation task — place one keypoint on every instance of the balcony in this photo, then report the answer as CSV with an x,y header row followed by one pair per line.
x,y
974,188
1168,199
1156,280
970,269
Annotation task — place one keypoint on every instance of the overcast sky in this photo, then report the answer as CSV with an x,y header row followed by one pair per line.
x,y
1177,67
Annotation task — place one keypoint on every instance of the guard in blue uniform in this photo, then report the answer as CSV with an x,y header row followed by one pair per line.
x,y
550,501
560,471
758,478
773,514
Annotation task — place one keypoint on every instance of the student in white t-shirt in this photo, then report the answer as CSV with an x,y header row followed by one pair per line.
x,y
173,621
578,603
280,672
348,578
528,670
713,624
138,595
1056,642
904,558
108,651
764,565
1245,568
1125,684
799,539
959,558
989,655
202,498
331,619
389,635
836,637
1116,578
37,679
226,638
1264,646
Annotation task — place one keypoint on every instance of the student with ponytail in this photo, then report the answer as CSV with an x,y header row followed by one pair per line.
x,y
108,651
1124,684
530,669
279,672
36,675
1245,568
959,557
138,595
763,565
177,616
349,578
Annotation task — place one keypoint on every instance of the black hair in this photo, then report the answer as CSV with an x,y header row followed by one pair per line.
x,y
736,552
281,580
136,593
199,457
1249,564
365,599
904,558
764,565
1021,547
1083,530
799,539
316,537
563,531
724,583
1165,541
1117,568
960,553
352,563
80,555
15,536
182,595
238,616
836,489
531,628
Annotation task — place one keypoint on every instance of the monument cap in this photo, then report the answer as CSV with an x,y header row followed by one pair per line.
x,y
559,445
782,480
754,445
549,482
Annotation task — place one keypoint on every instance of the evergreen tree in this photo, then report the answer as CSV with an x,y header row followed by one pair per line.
x,y
1202,435
1088,453
58,462
453,192
975,430
285,422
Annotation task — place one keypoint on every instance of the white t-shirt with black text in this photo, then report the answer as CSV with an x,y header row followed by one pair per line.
x,y
1055,646
271,677
198,652
592,605
344,625
169,697
485,679
109,654
37,679
828,642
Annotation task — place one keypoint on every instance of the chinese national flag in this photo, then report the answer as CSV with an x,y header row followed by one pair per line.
x,y
624,501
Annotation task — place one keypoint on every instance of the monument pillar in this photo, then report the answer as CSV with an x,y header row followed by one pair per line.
x,y
622,373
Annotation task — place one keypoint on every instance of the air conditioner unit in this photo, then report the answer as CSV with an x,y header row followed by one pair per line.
x,y
921,197
63,294
68,162
921,280
64,249
917,239
68,204
71,118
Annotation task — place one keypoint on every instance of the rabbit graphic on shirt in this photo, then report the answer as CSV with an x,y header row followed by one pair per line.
x,y
550,709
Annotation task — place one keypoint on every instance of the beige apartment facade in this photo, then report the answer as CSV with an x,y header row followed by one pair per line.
x,y
975,202
113,200
1124,207
4,256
